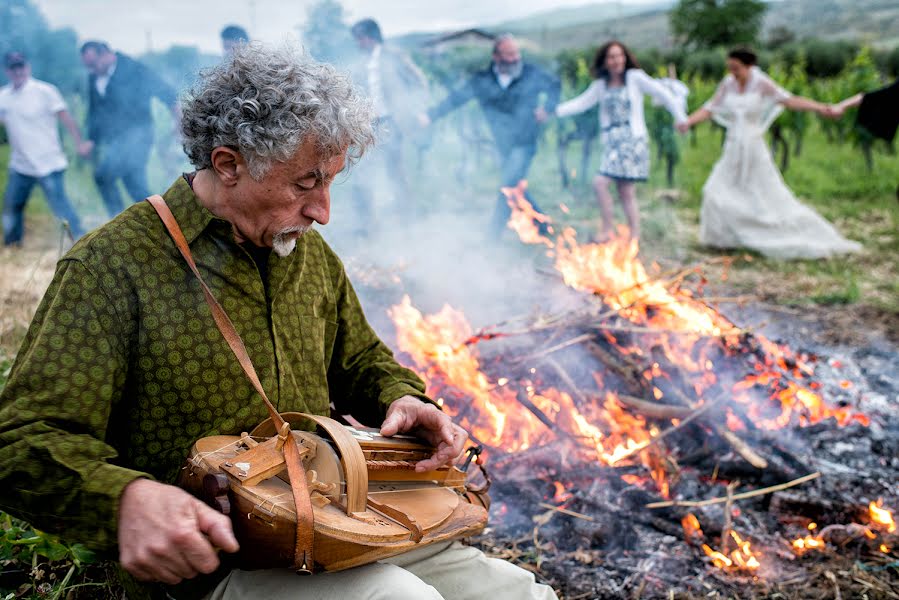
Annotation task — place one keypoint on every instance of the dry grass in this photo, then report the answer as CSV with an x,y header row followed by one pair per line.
x,y
25,272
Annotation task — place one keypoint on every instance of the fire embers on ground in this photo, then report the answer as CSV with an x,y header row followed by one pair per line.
x,y
639,431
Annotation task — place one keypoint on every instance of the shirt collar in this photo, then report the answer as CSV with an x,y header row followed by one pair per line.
x,y
192,217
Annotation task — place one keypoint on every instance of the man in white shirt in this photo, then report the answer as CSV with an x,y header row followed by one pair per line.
x,y
29,110
397,89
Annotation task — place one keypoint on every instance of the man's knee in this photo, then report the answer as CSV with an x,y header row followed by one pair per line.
x,y
390,582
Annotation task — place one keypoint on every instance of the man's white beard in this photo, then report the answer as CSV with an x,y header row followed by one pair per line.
x,y
283,243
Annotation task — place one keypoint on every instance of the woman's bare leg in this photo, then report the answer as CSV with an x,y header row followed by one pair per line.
x,y
606,206
627,193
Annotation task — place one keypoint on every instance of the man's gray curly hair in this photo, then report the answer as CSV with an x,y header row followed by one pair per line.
x,y
265,102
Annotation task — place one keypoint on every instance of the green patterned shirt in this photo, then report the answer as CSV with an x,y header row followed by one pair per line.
x,y
123,367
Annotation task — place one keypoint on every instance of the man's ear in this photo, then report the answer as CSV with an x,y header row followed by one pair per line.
x,y
228,164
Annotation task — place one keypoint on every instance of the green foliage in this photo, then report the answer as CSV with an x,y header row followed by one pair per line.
x,y
779,36
451,67
706,64
823,58
53,53
891,62
40,565
712,23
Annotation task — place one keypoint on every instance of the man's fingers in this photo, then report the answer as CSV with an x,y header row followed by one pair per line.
x,y
217,528
391,424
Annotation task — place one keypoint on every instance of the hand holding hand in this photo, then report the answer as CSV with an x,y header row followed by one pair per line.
x,y
167,535
84,148
411,415
683,126
540,114
833,111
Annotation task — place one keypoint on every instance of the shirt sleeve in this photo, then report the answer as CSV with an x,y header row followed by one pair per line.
x,y
456,98
588,99
553,88
55,100
154,85
714,103
768,88
660,93
56,470
363,369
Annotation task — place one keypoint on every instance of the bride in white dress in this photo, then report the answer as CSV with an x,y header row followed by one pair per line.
x,y
745,202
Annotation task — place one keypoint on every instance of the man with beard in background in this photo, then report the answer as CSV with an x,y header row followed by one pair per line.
x,y
123,367
509,91
120,120
29,110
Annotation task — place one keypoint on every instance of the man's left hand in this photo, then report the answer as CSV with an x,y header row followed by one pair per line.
x,y
411,415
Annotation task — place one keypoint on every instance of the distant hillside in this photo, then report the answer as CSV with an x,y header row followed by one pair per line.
x,y
578,15
874,22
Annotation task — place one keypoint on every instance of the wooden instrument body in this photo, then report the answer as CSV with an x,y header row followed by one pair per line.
x,y
362,512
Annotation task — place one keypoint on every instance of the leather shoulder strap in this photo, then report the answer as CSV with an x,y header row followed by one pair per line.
x,y
305,521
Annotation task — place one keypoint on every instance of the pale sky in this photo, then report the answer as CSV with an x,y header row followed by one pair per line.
x,y
136,25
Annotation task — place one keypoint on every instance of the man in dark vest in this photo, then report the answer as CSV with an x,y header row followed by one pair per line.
x,y
120,122
509,92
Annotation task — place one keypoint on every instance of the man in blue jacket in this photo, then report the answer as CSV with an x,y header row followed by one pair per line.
x,y
120,122
509,92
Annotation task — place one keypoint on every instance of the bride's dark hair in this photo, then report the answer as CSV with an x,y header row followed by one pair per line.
x,y
599,61
744,54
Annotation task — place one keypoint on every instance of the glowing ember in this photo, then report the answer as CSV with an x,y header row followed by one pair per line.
x,y
561,495
741,558
809,542
884,548
882,516
691,527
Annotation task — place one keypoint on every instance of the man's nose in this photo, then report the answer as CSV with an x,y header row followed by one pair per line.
x,y
319,207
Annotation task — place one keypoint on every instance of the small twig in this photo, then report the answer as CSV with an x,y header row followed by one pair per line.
x,y
741,496
654,409
572,342
565,511
741,447
566,379
728,518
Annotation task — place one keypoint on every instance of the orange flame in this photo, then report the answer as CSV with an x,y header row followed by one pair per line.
x,y
882,516
741,558
691,527
809,542
561,495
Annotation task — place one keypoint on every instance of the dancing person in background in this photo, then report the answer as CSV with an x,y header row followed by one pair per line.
x,y
120,122
509,92
619,89
397,89
745,202
232,36
29,110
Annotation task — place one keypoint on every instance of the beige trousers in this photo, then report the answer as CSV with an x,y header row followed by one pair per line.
x,y
448,571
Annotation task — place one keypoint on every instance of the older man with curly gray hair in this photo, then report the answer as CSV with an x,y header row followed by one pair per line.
x,y
123,367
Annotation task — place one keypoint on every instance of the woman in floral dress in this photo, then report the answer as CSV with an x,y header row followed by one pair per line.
x,y
619,89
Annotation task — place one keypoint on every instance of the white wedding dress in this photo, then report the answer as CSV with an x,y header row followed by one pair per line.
x,y
745,202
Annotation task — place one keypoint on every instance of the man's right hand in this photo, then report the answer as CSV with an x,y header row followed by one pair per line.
x,y
167,535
